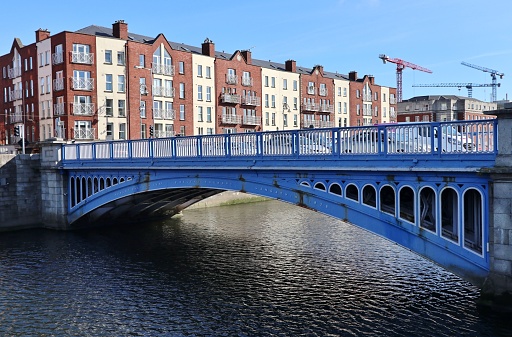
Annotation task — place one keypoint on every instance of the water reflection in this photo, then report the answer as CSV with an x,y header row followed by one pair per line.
x,y
263,269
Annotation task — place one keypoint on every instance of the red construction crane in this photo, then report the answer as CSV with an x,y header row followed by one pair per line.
x,y
400,65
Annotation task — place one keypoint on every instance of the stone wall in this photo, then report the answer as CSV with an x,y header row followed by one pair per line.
x,y
20,192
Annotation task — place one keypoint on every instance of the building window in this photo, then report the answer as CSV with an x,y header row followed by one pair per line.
x,y
208,72
266,101
109,107
344,92
199,113
199,70
208,94
273,81
108,56
142,62
339,107
182,90
383,97
209,114
108,82
295,85
273,101
182,112
120,83
182,130
181,67
199,92
344,107
273,119
121,110
295,103
122,131
267,118
285,84
120,58
358,93
266,81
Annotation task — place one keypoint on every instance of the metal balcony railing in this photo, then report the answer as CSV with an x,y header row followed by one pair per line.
x,y
16,117
317,124
326,108
80,57
58,109
14,72
251,100
310,106
251,120
82,83
15,94
167,114
82,133
162,69
228,98
58,84
231,119
83,109
58,58
231,79
247,81
164,134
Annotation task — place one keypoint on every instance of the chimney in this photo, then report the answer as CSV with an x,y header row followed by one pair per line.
x,y
42,34
290,65
352,76
371,79
208,47
247,56
320,69
120,30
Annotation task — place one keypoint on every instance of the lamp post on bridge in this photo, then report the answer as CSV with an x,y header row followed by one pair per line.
x,y
145,90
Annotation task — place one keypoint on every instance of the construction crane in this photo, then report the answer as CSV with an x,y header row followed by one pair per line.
x,y
468,86
400,65
493,73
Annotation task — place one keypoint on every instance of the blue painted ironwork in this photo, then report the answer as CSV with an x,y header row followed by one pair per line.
x,y
421,185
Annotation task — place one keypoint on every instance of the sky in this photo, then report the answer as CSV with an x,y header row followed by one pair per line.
x,y
340,35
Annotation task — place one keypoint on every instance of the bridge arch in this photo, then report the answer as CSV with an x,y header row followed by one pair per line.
x,y
369,196
387,198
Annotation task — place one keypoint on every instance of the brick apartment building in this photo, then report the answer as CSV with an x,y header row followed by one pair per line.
x,y
103,83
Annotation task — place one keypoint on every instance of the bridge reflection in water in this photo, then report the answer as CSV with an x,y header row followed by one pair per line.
x,y
421,185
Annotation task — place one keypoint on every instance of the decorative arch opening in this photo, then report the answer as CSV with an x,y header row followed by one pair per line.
x,y
387,200
83,188
473,220
407,204
72,191
370,196
427,201
305,184
109,182
335,189
352,192
320,186
450,214
115,181
102,184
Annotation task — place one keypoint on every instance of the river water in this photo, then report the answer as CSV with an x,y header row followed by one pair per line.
x,y
261,269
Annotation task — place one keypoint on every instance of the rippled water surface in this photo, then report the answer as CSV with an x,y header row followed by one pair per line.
x,y
263,269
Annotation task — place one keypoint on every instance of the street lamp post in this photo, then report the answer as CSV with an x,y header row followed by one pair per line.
x,y
152,126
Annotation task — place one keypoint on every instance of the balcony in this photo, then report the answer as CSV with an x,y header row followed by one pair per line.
x,y
311,90
14,72
86,134
230,119
83,58
310,106
317,124
15,94
83,109
231,79
58,84
162,69
247,81
322,91
251,100
229,98
167,114
16,117
164,134
58,109
326,108
251,120
82,83
58,58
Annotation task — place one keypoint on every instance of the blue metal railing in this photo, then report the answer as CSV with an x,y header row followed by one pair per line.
x,y
423,139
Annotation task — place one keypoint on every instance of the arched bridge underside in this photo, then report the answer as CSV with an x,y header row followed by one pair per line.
x,y
439,216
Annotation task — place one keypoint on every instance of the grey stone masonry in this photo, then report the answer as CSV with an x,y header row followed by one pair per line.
x,y
499,281
20,191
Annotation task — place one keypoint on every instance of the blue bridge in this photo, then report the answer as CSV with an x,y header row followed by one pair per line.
x,y
425,186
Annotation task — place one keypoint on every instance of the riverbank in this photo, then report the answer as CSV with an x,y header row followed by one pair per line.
x,y
227,198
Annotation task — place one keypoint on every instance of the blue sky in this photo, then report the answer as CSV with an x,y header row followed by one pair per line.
x,y
340,35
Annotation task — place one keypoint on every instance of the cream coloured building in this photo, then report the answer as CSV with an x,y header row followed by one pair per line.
x,y
203,77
